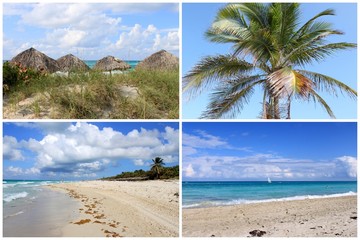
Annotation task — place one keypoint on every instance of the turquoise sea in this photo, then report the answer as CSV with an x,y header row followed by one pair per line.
x,y
207,194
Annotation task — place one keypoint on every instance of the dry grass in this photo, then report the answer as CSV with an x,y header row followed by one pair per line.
x,y
97,96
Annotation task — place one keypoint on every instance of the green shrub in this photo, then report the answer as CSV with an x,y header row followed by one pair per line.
x,y
15,74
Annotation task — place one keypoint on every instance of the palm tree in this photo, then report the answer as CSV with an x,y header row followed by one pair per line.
x,y
157,165
270,49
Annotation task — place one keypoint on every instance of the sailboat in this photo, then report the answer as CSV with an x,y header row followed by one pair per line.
x,y
269,180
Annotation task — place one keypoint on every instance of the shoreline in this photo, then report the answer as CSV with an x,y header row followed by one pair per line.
x,y
319,217
123,209
43,216
284,199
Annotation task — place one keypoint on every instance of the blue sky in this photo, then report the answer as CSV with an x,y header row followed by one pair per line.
x,y
197,18
75,151
130,31
286,151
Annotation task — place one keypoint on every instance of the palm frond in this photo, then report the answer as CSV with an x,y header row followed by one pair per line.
x,y
231,97
286,82
212,69
318,53
304,28
323,103
284,20
329,84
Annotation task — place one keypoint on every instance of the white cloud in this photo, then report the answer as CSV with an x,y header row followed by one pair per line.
x,y
260,166
139,162
203,141
85,149
90,31
145,41
16,171
11,149
189,171
350,164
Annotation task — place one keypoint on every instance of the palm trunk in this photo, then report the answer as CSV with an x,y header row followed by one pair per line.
x,y
264,113
276,108
288,107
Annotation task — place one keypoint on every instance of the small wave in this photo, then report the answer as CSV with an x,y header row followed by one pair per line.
x,y
11,197
246,201
23,183
4,182
13,215
8,185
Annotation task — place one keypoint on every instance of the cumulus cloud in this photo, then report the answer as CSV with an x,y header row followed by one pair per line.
x,y
90,30
11,149
203,159
141,40
350,164
84,149
189,171
258,166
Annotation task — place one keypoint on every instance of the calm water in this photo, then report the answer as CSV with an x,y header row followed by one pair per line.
x,y
206,194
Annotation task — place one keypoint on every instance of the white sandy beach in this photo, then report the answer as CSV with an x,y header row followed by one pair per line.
x,y
126,209
325,217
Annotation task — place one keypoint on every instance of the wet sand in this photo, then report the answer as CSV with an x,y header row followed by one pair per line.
x,y
325,217
123,209
44,216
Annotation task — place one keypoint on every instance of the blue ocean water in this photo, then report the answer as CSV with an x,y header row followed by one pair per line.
x,y
207,194
132,63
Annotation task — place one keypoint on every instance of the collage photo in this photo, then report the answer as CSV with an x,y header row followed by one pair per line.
x,y
179,119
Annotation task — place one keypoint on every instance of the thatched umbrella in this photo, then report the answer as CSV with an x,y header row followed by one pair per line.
x,y
32,58
110,63
161,60
69,63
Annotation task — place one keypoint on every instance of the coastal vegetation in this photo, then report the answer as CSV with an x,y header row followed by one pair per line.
x,y
32,92
271,49
137,175
157,166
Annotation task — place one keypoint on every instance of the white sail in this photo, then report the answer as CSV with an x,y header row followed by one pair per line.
x,y
269,180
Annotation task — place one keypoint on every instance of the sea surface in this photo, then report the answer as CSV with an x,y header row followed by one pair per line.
x,y
208,194
31,210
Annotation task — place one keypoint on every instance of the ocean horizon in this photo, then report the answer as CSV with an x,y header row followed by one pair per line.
x,y
198,194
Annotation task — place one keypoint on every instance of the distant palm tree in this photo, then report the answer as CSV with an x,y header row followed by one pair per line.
x,y
270,50
157,165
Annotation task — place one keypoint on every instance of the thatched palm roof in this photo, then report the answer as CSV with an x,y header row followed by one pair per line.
x,y
71,63
110,63
161,60
32,58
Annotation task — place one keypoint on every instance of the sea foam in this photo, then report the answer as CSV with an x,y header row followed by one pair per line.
x,y
11,197
246,201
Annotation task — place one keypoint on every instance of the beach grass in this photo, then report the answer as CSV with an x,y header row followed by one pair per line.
x,y
96,95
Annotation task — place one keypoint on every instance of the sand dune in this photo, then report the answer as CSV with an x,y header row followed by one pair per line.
x,y
326,217
127,209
